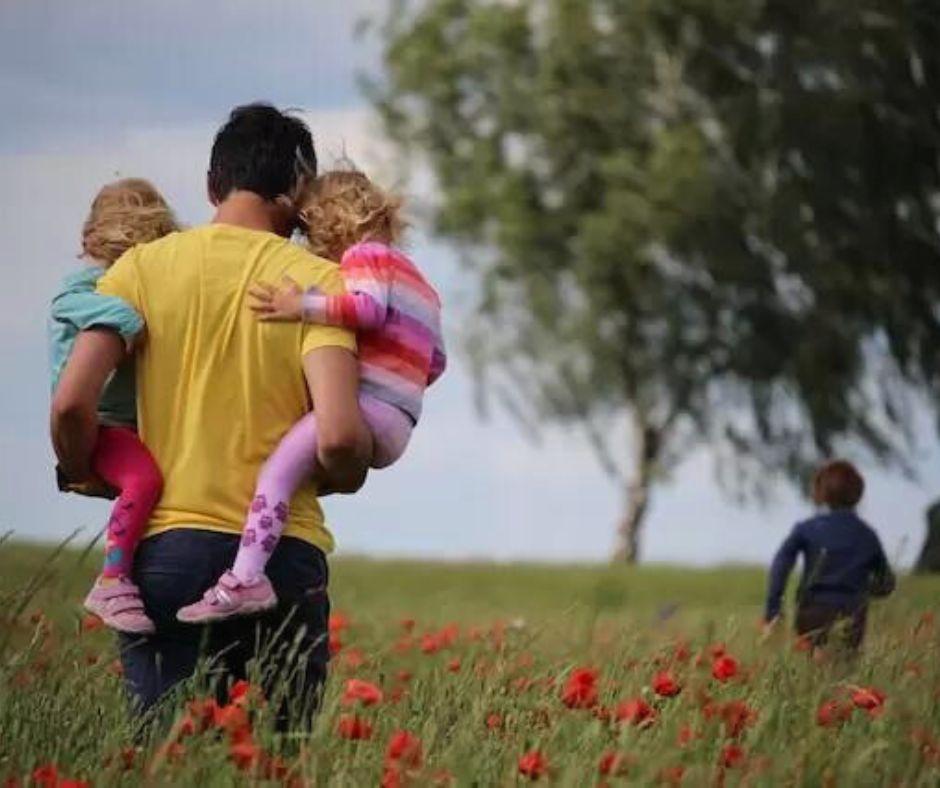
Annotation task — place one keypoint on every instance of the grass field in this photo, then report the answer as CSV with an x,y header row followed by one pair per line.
x,y
482,666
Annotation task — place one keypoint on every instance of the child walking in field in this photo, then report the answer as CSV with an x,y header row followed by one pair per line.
x,y
401,352
123,214
844,564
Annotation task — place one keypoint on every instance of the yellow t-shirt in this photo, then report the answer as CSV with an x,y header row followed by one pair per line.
x,y
216,388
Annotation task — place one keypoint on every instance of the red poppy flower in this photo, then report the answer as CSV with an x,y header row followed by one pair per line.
x,y
454,665
407,624
90,623
494,721
404,676
869,699
186,726
686,736
404,748
245,754
204,712
636,712
46,775
832,713
803,643
241,691
731,755
724,667
533,765
338,622
613,764
672,775
173,751
353,659
391,776
362,691
665,684
335,643
353,727
233,719
124,759
736,715
431,643
442,777
681,652
580,690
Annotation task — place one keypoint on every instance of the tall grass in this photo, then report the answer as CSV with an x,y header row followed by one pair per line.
x,y
478,678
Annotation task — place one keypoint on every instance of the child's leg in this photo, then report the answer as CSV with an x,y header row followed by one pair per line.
x,y
122,460
292,462
390,427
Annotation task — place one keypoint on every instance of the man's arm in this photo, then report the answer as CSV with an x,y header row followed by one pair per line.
x,y
344,444
74,418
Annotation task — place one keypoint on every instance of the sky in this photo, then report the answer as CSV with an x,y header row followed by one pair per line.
x,y
96,90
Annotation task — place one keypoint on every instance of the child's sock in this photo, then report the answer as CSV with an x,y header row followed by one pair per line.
x,y
292,462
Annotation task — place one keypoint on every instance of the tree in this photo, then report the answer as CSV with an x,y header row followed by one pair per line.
x,y
714,220
929,559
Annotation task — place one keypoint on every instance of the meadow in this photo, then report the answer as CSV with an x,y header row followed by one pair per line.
x,y
478,674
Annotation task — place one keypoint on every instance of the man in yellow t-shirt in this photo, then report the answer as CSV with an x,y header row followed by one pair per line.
x,y
217,390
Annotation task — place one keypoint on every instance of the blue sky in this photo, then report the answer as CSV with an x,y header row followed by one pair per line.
x,y
93,90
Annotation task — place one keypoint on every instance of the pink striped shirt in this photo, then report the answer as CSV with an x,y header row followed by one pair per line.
x,y
397,315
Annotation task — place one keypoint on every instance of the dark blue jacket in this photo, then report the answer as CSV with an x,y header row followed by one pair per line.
x,y
843,563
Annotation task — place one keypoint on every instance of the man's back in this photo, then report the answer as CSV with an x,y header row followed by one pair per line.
x,y
217,389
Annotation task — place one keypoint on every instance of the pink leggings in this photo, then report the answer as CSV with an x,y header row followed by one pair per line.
x,y
293,462
122,460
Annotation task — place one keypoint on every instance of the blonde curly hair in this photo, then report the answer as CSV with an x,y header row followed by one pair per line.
x,y
123,214
343,207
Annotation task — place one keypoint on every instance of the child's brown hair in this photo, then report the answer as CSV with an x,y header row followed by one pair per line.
x,y
123,214
343,207
838,484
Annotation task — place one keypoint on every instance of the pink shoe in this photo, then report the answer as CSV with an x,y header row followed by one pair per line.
x,y
230,597
120,607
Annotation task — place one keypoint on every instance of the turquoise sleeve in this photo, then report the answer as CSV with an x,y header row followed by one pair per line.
x,y
88,309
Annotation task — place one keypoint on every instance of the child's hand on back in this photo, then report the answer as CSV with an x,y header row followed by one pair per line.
x,y
282,304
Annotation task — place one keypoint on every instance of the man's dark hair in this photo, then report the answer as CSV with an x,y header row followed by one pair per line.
x,y
262,150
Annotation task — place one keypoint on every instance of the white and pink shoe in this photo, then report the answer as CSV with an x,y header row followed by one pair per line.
x,y
228,598
119,606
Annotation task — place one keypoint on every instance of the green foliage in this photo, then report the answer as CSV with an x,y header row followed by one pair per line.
x,y
718,216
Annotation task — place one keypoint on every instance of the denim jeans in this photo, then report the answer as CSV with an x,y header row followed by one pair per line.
x,y
288,644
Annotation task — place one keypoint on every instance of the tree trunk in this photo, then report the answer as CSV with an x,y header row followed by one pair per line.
x,y
637,495
929,560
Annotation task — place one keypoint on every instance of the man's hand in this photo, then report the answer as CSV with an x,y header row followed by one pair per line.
x,y
282,304
74,417
344,444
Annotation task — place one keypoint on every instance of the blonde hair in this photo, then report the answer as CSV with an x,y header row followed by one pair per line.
x,y
343,207
123,214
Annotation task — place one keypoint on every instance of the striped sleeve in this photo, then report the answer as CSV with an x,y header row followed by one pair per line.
x,y
367,274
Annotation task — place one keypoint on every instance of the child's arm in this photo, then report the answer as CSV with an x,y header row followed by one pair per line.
x,y
362,308
780,570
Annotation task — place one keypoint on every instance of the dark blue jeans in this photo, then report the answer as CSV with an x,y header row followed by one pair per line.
x,y
289,645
